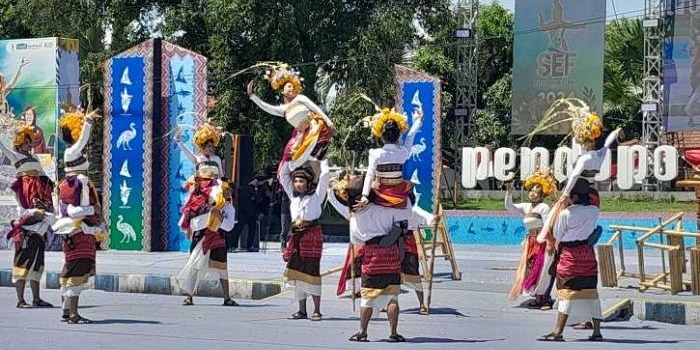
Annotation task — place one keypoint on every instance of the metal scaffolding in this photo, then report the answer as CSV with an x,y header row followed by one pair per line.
x,y
465,97
652,98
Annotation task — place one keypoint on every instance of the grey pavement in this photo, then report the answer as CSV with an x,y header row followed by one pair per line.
x,y
469,314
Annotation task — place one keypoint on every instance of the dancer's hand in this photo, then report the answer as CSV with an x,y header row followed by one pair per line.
x,y
249,88
325,169
92,115
620,134
361,204
550,249
509,187
565,200
39,214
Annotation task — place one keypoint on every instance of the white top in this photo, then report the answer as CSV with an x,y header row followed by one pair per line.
x,y
75,151
305,207
389,154
15,156
591,160
200,158
576,223
370,222
296,119
526,207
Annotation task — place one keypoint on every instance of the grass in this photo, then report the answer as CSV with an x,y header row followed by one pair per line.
x,y
615,204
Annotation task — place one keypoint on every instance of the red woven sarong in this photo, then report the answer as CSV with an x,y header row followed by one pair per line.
x,y
309,242
379,260
410,244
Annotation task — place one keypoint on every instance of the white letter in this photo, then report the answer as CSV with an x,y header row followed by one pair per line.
x,y
503,163
468,167
563,163
666,159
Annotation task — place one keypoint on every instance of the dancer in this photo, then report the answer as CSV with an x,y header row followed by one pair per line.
x,y
577,268
80,214
376,229
33,191
533,272
206,217
384,178
312,127
305,239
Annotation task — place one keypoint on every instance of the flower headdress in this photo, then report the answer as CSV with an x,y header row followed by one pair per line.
x,y
73,122
23,132
377,121
587,129
280,74
207,132
543,180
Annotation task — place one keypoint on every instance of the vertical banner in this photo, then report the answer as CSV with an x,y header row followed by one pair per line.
x,y
558,53
681,75
127,160
36,78
416,89
184,85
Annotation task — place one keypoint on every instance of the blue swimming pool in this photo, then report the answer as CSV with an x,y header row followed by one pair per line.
x,y
502,228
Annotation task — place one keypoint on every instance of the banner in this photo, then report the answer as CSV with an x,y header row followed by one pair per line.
x,y
37,78
558,53
681,75
419,89
127,133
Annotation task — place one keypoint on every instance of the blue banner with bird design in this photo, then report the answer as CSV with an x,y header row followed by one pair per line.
x,y
419,92
126,129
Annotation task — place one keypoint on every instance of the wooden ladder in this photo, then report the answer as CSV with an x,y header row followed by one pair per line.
x,y
443,241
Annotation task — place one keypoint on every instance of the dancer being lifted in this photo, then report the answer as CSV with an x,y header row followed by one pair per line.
x,y
532,276
312,127
33,191
206,217
80,213
305,239
384,178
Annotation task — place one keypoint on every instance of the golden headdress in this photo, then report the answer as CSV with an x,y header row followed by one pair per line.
x,y
280,74
377,121
207,133
542,179
72,121
23,132
588,128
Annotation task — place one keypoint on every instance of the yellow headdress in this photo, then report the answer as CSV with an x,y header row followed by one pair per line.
x,y
280,74
587,129
206,133
72,121
542,179
22,133
378,120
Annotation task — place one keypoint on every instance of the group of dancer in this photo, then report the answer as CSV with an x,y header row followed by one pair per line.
x,y
379,206
78,218
559,243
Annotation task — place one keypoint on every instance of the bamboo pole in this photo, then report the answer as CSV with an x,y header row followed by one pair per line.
x,y
436,212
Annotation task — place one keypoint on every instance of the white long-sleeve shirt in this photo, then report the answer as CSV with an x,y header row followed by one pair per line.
x,y
280,110
389,154
589,161
526,207
75,151
307,207
373,221
576,223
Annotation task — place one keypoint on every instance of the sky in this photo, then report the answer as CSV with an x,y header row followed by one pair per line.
x,y
624,8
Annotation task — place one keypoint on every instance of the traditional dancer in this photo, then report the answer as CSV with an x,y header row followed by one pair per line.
x,y
577,269
33,191
206,217
532,276
305,239
312,127
80,214
384,178
375,228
